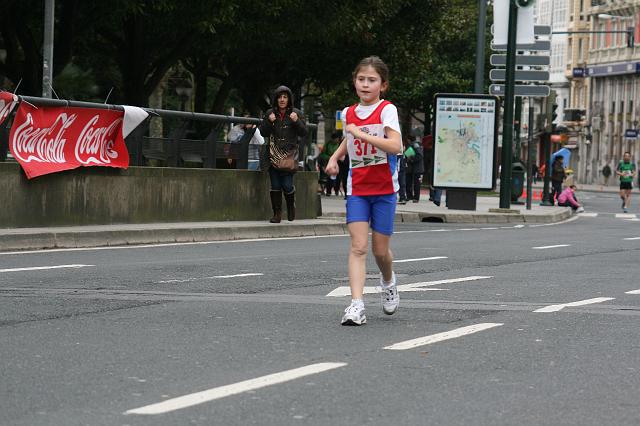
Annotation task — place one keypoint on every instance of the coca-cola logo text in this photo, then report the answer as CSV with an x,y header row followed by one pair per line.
x,y
44,144
95,144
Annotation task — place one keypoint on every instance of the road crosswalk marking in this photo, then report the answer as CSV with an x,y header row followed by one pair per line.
x,y
625,216
584,214
234,389
344,291
439,337
556,308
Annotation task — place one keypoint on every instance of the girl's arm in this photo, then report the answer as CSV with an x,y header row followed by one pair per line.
x,y
391,144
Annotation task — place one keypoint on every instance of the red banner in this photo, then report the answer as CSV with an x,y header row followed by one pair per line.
x,y
7,102
48,140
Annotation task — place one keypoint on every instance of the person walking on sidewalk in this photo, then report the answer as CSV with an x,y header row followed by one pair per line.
x,y
415,169
606,173
557,176
373,142
627,171
282,128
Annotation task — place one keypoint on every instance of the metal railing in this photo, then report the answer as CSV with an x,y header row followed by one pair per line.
x,y
192,139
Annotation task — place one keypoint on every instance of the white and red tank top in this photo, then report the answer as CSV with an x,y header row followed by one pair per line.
x,y
372,171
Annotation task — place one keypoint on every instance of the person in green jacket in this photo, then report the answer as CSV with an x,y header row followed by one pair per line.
x,y
627,171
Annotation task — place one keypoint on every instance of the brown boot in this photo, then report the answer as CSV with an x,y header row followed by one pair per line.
x,y
291,205
276,206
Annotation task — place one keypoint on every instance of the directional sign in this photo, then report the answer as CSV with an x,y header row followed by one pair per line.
x,y
535,91
538,45
539,30
542,30
534,60
501,75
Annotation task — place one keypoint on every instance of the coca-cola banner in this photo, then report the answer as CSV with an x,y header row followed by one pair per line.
x,y
8,101
47,140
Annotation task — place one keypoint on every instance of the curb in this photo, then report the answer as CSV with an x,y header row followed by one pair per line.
x,y
84,239
487,218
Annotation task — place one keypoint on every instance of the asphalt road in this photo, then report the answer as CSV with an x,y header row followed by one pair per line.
x,y
498,325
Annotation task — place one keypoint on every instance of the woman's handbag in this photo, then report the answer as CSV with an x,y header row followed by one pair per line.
x,y
285,160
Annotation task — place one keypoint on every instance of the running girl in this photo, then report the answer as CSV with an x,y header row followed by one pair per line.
x,y
372,143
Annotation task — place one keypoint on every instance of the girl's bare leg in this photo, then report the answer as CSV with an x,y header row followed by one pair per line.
x,y
359,232
383,255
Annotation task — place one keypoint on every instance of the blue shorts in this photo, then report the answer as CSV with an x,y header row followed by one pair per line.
x,y
377,210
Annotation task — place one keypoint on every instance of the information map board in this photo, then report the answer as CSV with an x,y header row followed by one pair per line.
x,y
465,141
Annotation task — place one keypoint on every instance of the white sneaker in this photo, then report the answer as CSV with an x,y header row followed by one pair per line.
x,y
390,297
354,315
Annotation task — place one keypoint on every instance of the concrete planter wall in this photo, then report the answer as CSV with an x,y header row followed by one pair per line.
x,y
100,195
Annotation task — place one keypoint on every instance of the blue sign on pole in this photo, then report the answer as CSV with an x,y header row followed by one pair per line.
x,y
631,133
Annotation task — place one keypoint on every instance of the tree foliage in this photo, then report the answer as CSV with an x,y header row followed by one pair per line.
x,y
246,47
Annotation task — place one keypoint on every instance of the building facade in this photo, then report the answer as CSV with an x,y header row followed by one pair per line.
x,y
613,86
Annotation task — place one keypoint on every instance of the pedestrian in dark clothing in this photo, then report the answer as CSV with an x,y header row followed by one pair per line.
x,y
282,129
557,176
402,179
606,172
343,174
415,168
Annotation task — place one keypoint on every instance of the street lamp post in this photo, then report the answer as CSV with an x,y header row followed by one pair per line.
x,y
47,48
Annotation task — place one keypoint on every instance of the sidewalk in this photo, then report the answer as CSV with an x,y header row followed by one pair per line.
x,y
612,188
331,223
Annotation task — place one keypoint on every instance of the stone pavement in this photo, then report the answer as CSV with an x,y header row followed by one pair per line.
x,y
331,223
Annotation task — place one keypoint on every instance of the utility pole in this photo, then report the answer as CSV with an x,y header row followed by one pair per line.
x,y
47,48
507,124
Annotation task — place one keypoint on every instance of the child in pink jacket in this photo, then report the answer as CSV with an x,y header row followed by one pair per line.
x,y
567,198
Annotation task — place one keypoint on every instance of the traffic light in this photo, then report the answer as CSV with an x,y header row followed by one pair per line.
x,y
630,37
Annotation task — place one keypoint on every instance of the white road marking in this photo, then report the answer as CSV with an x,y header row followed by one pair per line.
x,y
632,238
588,214
186,280
489,228
434,338
633,292
346,291
420,259
625,216
556,308
635,219
234,389
38,268
550,247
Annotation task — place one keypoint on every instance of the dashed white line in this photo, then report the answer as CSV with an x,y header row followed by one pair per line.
x,y
632,292
632,238
344,291
434,338
186,280
556,308
550,247
420,259
38,268
588,214
234,389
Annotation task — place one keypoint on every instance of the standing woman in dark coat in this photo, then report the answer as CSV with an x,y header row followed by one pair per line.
x,y
282,128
